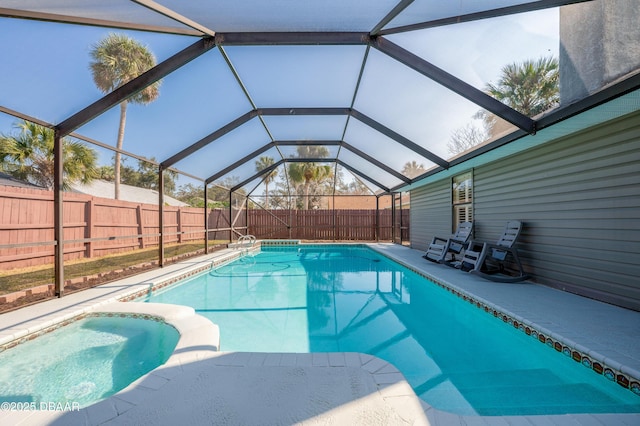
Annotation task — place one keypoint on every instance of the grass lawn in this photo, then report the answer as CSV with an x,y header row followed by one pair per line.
x,y
15,280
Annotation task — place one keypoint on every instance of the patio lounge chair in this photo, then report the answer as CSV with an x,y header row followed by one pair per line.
x,y
441,247
488,260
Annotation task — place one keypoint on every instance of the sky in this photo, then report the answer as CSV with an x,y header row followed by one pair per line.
x,y
45,74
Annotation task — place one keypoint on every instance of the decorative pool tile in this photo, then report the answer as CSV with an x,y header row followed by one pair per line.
x,y
58,325
272,243
609,374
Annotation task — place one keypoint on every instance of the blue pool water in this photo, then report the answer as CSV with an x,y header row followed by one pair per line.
x,y
351,299
83,362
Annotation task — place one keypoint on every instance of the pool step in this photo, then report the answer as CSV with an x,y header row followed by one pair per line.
x,y
568,398
483,379
527,392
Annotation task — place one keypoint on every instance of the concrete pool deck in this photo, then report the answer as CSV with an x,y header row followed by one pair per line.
x,y
201,386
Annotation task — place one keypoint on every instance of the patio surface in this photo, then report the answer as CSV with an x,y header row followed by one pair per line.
x,y
199,385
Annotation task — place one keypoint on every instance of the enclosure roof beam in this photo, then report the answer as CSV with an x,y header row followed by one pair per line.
x,y
399,138
165,11
260,173
391,16
291,38
356,89
486,14
454,84
209,138
240,162
362,175
310,160
375,162
304,111
303,142
25,117
593,100
134,86
80,20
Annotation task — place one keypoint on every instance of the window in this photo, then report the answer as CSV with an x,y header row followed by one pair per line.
x,y
462,198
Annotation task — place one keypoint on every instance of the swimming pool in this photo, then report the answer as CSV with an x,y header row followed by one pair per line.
x,y
83,362
352,299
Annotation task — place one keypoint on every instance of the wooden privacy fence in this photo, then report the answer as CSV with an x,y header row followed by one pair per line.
x,y
95,227
358,225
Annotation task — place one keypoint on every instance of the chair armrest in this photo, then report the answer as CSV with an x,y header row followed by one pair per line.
x,y
502,251
457,241
436,239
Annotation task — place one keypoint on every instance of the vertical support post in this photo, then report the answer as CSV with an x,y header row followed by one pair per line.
x,y
401,223
58,214
230,217
180,220
290,218
394,218
376,228
161,215
246,214
206,222
334,217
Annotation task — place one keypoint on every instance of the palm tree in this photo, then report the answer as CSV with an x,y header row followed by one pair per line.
x,y
307,172
412,169
29,156
263,163
530,87
116,60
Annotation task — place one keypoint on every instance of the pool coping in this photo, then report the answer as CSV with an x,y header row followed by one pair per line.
x,y
142,390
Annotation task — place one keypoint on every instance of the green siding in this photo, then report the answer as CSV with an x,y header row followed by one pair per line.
x,y
430,213
579,198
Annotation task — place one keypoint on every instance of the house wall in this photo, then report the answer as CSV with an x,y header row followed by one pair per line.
x,y
431,213
579,199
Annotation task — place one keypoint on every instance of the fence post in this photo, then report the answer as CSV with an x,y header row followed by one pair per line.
x,y
334,219
230,217
88,231
376,221
206,222
161,216
179,219
291,224
140,225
